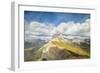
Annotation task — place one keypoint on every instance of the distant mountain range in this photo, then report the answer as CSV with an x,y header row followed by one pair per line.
x,y
44,39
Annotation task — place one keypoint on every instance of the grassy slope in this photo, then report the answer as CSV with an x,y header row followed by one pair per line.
x,y
59,42
69,46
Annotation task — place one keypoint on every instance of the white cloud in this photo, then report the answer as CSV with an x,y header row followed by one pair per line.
x,y
37,27
68,28
73,28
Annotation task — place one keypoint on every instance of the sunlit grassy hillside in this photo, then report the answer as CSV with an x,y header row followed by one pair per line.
x,y
56,48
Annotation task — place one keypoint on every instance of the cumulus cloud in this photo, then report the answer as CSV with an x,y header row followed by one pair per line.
x,y
40,28
36,29
66,28
71,28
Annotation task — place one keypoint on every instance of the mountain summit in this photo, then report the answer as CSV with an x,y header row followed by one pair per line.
x,y
58,49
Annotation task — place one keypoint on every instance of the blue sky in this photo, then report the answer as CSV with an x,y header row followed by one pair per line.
x,y
54,18
39,24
